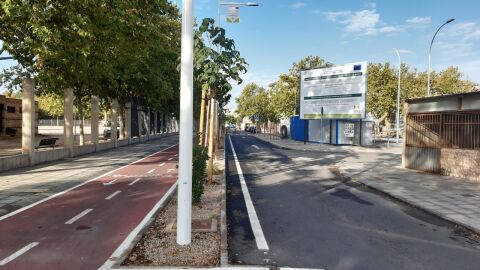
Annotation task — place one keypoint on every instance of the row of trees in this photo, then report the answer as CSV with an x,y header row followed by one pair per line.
x,y
281,98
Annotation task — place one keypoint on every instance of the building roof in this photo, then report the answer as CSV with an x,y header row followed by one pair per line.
x,y
433,98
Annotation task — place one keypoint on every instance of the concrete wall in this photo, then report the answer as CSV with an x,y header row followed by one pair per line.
x,y
47,155
461,163
13,162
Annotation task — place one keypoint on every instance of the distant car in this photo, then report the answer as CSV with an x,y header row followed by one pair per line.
x,y
232,128
107,131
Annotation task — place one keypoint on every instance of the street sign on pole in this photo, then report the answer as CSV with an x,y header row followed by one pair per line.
x,y
184,208
233,14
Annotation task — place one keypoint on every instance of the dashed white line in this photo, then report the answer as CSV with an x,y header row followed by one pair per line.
x,y
170,158
176,155
254,146
161,164
152,170
134,181
252,214
110,183
79,216
114,194
169,170
18,253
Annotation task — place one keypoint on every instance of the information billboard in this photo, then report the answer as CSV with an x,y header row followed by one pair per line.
x,y
334,93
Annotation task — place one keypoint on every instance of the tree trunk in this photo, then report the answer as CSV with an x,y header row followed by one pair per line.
x,y
201,128
211,145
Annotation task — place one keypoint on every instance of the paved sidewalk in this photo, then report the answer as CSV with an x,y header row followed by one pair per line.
x,y
21,187
318,147
451,198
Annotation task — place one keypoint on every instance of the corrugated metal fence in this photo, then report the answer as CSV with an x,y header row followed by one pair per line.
x,y
427,133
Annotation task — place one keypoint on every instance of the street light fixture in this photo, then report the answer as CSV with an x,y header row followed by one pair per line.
x,y
232,4
397,116
430,54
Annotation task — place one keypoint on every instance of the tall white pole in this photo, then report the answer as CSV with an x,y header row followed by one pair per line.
x,y
184,209
398,96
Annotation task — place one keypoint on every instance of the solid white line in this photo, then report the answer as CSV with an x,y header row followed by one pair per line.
x,y
77,186
170,158
161,164
152,170
134,181
131,236
77,217
113,194
252,214
18,253
254,146
110,183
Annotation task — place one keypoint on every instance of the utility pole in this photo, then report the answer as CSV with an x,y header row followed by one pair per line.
x,y
397,116
184,208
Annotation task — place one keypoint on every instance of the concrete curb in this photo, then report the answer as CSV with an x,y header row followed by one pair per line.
x,y
422,208
136,239
223,216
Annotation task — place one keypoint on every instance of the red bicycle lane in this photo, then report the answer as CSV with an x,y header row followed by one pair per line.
x,y
81,228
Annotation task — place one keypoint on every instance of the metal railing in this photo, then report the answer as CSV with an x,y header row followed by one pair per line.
x,y
444,130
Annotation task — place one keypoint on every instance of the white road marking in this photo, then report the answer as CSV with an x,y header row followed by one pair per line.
x,y
110,183
176,155
134,181
254,146
152,170
161,164
79,185
169,170
170,158
252,214
79,216
131,237
18,253
114,194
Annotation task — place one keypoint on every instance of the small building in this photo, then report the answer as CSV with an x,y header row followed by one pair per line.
x,y
442,135
11,116
333,131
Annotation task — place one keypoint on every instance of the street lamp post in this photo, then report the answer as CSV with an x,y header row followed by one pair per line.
x,y
184,208
430,54
397,116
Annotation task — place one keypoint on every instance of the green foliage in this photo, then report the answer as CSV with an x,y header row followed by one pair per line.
x,y
218,63
382,86
200,157
50,105
254,100
112,49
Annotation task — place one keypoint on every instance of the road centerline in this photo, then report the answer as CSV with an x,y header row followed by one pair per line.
x,y
161,164
170,158
18,253
252,214
151,171
79,216
114,194
110,183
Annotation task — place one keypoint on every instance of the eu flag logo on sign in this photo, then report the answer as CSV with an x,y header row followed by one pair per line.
x,y
357,67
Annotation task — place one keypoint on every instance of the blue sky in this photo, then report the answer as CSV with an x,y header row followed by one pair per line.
x,y
279,32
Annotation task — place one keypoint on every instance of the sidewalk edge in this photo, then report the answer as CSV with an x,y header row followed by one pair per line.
x,y
422,208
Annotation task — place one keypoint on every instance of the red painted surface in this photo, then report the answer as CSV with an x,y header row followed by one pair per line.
x,y
88,242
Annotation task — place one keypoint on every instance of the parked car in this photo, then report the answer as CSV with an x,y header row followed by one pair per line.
x,y
107,131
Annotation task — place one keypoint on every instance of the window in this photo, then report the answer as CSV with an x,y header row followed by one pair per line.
x,y
10,109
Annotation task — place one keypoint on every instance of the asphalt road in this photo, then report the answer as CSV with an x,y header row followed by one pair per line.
x,y
312,217
81,228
